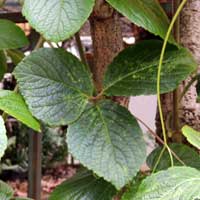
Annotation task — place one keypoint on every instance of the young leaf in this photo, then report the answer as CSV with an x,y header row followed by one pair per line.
x,y
133,72
57,20
55,85
107,139
84,186
3,64
6,191
11,36
175,183
3,138
13,104
145,13
188,155
192,136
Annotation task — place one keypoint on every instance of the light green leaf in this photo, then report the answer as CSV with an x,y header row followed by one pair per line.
x,y
145,13
134,71
175,183
107,139
192,136
3,138
11,36
3,64
55,84
6,191
188,155
84,186
60,19
13,104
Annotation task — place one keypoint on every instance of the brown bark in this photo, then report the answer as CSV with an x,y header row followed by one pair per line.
x,y
107,43
189,109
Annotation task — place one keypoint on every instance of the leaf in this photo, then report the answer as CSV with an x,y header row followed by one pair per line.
x,y
60,19
13,104
83,186
11,36
3,64
107,139
22,198
134,71
3,138
55,84
175,183
188,155
145,13
16,56
192,136
6,191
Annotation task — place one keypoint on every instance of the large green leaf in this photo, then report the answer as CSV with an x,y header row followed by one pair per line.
x,y
11,36
145,13
175,183
6,191
134,70
3,64
192,136
188,155
84,186
57,20
3,138
108,140
13,104
55,85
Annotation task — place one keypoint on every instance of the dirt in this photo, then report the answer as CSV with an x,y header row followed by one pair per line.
x,y
50,180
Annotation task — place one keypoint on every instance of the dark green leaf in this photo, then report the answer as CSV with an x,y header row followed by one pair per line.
x,y
145,13
192,136
134,70
84,186
11,36
3,64
60,19
13,104
6,191
189,156
108,140
3,138
181,183
55,85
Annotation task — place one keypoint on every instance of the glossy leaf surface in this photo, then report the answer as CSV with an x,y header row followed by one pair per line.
x,y
84,186
55,85
57,20
134,71
108,140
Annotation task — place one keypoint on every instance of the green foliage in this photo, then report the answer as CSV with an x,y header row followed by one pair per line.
x,y
145,13
84,186
186,154
57,20
175,183
108,140
58,90
13,104
11,36
192,136
3,138
3,64
133,71
55,85
6,191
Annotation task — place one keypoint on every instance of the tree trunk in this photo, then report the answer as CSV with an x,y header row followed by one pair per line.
x,y
189,109
107,43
